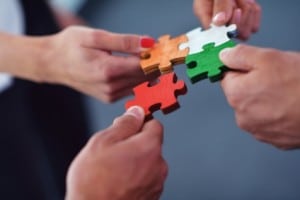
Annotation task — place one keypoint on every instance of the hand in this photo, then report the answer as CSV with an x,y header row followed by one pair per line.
x,y
123,162
265,93
245,14
82,58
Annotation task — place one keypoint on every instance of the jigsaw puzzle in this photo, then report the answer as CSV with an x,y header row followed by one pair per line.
x,y
207,63
198,38
161,95
164,55
198,49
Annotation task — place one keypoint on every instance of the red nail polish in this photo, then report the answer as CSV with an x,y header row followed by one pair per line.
x,y
147,42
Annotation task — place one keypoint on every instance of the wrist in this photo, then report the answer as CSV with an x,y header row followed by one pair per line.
x,y
23,56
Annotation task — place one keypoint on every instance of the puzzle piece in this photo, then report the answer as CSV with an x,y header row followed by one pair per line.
x,y
162,95
164,54
197,38
207,63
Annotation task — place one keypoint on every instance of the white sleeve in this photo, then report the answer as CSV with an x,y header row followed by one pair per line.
x,y
11,21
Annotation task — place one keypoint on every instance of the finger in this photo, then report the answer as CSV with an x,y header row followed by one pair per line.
x,y
113,67
126,43
257,18
236,17
247,20
241,58
126,125
222,11
233,86
203,9
152,133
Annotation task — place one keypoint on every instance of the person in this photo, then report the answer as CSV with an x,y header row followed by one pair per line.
x,y
122,162
264,87
42,121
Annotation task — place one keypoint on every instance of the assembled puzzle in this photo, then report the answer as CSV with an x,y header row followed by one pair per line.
x,y
198,49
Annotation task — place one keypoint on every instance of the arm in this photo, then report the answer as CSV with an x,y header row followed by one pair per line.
x,y
122,162
245,14
77,57
265,93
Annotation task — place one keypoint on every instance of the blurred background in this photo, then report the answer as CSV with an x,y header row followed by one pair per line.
x,y
209,157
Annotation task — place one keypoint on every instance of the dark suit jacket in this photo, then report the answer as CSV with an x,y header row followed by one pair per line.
x,y
42,127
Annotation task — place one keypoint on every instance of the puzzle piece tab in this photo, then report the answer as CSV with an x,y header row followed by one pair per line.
x,y
164,55
161,95
197,38
207,63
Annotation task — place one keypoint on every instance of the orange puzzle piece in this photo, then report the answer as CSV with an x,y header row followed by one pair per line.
x,y
161,95
164,54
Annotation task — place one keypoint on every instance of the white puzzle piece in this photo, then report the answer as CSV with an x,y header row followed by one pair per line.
x,y
197,38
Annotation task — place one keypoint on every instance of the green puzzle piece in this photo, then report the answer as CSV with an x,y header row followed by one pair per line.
x,y
207,63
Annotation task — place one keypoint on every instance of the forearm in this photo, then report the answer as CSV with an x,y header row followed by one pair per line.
x,y
23,56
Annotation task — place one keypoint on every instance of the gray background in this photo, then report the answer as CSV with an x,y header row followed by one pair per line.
x,y
209,157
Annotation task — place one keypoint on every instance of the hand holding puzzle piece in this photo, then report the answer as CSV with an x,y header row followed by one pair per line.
x,y
198,49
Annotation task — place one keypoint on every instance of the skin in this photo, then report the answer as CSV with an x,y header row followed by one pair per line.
x,y
265,93
78,57
122,162
245,14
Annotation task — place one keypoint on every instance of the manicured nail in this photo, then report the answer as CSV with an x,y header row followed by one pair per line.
x,y
147,42
251,1
136,111
219,18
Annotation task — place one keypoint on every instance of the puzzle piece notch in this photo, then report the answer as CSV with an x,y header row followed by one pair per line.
x,y
161,95
207,63
164,55
198,38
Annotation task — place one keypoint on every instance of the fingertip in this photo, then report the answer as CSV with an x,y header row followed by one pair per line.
x,y
237,16
219,18
225,53
147,42
137,112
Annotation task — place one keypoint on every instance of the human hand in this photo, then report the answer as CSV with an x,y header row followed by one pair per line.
x,y
265,93
122,162
245,14
82,58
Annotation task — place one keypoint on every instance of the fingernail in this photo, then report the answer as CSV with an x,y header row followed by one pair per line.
x,y
147,42
136,111
219,17
224,53
251,1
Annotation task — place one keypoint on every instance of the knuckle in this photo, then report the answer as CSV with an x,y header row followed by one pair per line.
x,y
109,90
257,8
232,93
108,99
128,43
243,123
97,140
95,35
107,74
127,122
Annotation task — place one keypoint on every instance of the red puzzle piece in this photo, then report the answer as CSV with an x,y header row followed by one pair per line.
x,y
162,95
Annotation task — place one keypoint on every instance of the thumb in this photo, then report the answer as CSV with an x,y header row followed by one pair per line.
x,y
240,58
127,125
